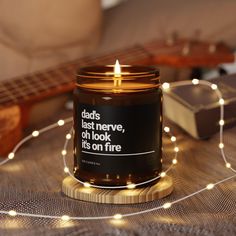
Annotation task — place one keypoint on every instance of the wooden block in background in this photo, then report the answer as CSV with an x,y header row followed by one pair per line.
x,y
74,189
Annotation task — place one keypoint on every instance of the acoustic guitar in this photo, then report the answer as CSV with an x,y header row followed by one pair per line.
x,y
18,94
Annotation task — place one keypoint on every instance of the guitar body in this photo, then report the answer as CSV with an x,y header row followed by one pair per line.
x,y
10,128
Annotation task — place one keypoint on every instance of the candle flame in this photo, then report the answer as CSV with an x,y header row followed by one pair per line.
x,y
117,74
117,69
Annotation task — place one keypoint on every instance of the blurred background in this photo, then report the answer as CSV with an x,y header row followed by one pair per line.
x,y
42,44
35,35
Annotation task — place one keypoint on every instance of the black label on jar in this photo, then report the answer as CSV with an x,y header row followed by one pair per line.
x,y
118,139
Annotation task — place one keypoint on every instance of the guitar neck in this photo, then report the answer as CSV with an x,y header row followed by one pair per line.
x,y
61,79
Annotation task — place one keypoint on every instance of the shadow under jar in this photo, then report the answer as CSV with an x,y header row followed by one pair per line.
x,y
117,125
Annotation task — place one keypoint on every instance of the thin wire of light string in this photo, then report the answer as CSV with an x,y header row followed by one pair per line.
x,y
123,215
113,187
30,136
118,216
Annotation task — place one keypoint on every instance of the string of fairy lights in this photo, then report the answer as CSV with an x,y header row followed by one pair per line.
x,y
129,185
118,216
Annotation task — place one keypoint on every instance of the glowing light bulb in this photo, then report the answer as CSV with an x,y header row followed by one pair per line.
x,y
65,217
61,122
214,86
174,161
228,165
87,185
12,213
131,186
63,152
165,86
176,149
68,136
195,81
173,138
222,101
163,174
221,145
11,155
117,216
221,122
210,186
66,169
35,133
167,205
167,129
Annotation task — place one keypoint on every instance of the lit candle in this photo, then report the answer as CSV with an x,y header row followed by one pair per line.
x,y
117,124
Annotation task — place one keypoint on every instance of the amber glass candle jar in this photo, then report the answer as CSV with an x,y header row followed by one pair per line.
x,y
117,125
